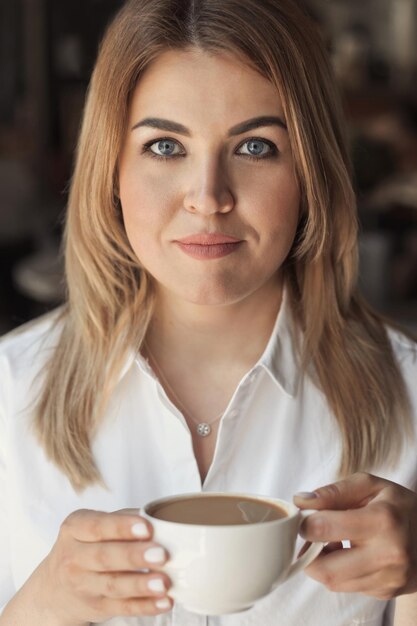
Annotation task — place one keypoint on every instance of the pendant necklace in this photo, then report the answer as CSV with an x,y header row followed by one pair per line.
x,y
202,428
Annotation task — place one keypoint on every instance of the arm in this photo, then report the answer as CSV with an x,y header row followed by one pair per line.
x,y
6,580
96,570
406,610
24,606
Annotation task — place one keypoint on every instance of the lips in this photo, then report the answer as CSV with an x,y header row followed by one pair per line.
x,y
208,245
207,239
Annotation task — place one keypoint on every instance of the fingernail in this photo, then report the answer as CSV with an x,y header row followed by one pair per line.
x,y
306,495
140,530
157,585
163,604
154,555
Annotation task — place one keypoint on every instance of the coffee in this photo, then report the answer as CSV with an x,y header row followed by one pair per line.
x,y
215,537
217,510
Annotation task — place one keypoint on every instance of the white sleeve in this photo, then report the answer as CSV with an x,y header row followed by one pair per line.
x,y
7,590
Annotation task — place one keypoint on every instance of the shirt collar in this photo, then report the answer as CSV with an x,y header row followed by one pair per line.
x,y
279,358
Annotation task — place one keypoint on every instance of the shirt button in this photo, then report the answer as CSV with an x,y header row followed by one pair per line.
x,y
233,413
252,377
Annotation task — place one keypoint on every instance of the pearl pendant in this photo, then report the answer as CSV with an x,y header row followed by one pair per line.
x,y
203,429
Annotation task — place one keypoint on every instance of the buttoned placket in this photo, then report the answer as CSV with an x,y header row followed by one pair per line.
x,y
235,408
229,421
237,405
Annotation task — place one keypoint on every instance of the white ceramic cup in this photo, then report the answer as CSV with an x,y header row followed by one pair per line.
x,y
217,570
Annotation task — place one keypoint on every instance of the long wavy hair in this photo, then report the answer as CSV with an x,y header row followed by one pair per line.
x,y
111,297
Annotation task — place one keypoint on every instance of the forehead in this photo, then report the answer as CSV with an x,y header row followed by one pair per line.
x,y
219,85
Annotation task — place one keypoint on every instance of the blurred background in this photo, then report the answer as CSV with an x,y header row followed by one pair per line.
x,y
47,51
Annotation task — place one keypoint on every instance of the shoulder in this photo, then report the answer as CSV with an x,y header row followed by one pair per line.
x,y
405,350
33,337
25,350
405,353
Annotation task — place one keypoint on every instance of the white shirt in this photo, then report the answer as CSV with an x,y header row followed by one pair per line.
x,y
276,437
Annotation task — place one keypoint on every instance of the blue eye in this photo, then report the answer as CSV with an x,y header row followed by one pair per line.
x,y
163,145
256,149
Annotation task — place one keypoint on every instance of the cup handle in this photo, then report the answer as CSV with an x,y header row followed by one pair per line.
x,y
309,555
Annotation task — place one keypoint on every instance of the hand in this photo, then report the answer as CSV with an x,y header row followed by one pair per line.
x,y
91,573
379,518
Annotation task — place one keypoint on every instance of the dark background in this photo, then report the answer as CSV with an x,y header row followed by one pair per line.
x,y
47,50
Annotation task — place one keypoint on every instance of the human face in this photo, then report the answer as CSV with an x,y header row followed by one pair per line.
x,y
210,181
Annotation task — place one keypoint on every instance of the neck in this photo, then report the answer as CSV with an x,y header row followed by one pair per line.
x,y
191,336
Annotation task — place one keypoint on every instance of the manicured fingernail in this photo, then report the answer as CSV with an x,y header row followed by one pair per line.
x,y
163,604
154,555
140,530
306,495
157,585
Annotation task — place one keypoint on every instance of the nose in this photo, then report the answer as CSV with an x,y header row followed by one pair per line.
x,y
209,192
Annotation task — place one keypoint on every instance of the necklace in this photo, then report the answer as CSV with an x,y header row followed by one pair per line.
x,y
202,428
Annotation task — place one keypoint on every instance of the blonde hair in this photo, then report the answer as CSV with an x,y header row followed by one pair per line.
x,y
110,297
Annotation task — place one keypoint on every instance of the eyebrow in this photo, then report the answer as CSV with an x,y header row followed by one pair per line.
x,y
174,127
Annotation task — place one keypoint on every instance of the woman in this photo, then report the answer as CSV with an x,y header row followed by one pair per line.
x,y
213,337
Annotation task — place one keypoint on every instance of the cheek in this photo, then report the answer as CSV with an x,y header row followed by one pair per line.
x,y
145,208
278,209
287,212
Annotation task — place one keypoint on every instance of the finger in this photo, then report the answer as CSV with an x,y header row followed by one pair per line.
x,y
357,525
341,566
118,556
94,526
373,585
382,584
135,606
376,585
352,492
119,585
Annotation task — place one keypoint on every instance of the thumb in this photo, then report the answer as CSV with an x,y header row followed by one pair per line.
x,y
352,492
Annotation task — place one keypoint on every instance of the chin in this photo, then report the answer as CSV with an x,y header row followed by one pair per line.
x,y
209,295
